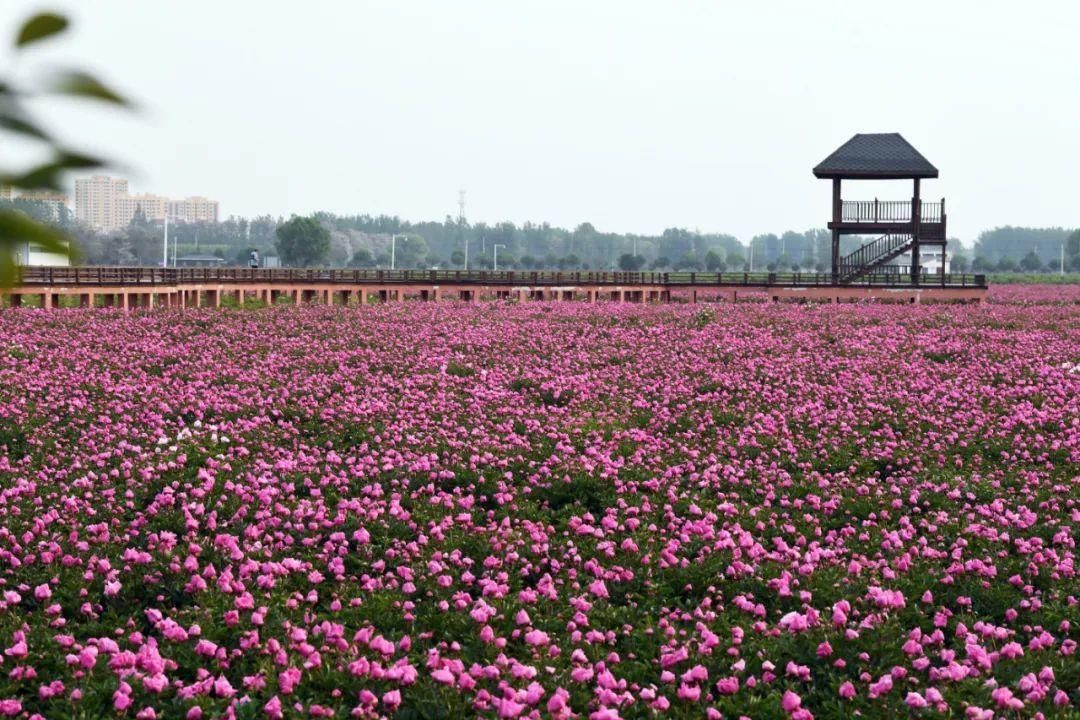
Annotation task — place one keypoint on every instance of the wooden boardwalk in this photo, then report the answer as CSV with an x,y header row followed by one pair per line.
x,y
139,287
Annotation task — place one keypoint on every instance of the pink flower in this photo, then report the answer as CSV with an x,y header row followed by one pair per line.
x,y
847,690
122,697
206,648
883,685
509,708
288,680
536,637
790,702
915,700
273,708
727,686
223,688
557,703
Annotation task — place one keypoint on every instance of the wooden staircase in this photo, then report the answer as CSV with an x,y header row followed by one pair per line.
x,y
873,255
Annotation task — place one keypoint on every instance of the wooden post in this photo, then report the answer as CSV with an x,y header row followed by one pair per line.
x,y
944,240
916,214
837,213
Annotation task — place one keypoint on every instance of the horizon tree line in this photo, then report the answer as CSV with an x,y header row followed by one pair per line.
x,y
365,241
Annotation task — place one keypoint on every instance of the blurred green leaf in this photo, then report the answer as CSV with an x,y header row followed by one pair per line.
x,y
49,176
9,270
42,177
39,27
80,84
77,161
17,228
22,126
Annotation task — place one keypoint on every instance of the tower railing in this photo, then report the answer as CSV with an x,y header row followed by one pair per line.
x,y
888,211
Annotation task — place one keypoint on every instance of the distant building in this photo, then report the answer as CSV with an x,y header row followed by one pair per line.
x,y
153,207
193,209
5,192
100,202
930,260
199,261
55,201
28,254
104,203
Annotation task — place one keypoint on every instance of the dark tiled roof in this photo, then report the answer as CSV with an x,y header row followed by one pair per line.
x,y
876,155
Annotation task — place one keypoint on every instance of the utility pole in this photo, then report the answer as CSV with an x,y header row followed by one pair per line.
x,y
461,224
165,244
1062,257
393,248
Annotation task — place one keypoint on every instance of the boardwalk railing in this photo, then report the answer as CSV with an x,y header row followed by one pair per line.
x,y
145,276
888,211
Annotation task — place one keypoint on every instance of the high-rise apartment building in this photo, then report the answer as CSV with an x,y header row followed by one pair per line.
x,y
100,202
153,207
193,209
105,204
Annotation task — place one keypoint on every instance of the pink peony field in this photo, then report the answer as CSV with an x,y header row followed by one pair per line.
x,y
543,510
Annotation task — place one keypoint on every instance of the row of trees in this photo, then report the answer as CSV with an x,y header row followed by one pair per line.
x,y
366,241
372,241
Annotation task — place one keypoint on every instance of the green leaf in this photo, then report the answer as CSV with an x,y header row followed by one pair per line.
x,y
50,175
77,161
16,229
43,177
22,126
9,269
80,84
39,27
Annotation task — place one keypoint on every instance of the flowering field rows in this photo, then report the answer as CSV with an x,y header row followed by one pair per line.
x,y
522,511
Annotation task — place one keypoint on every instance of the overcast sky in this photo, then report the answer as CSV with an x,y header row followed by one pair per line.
x,y
634,116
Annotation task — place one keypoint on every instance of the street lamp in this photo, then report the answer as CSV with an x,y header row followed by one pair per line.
x,y
495,260
393,248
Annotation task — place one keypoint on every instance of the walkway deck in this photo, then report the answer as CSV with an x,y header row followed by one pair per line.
x,y
131,287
